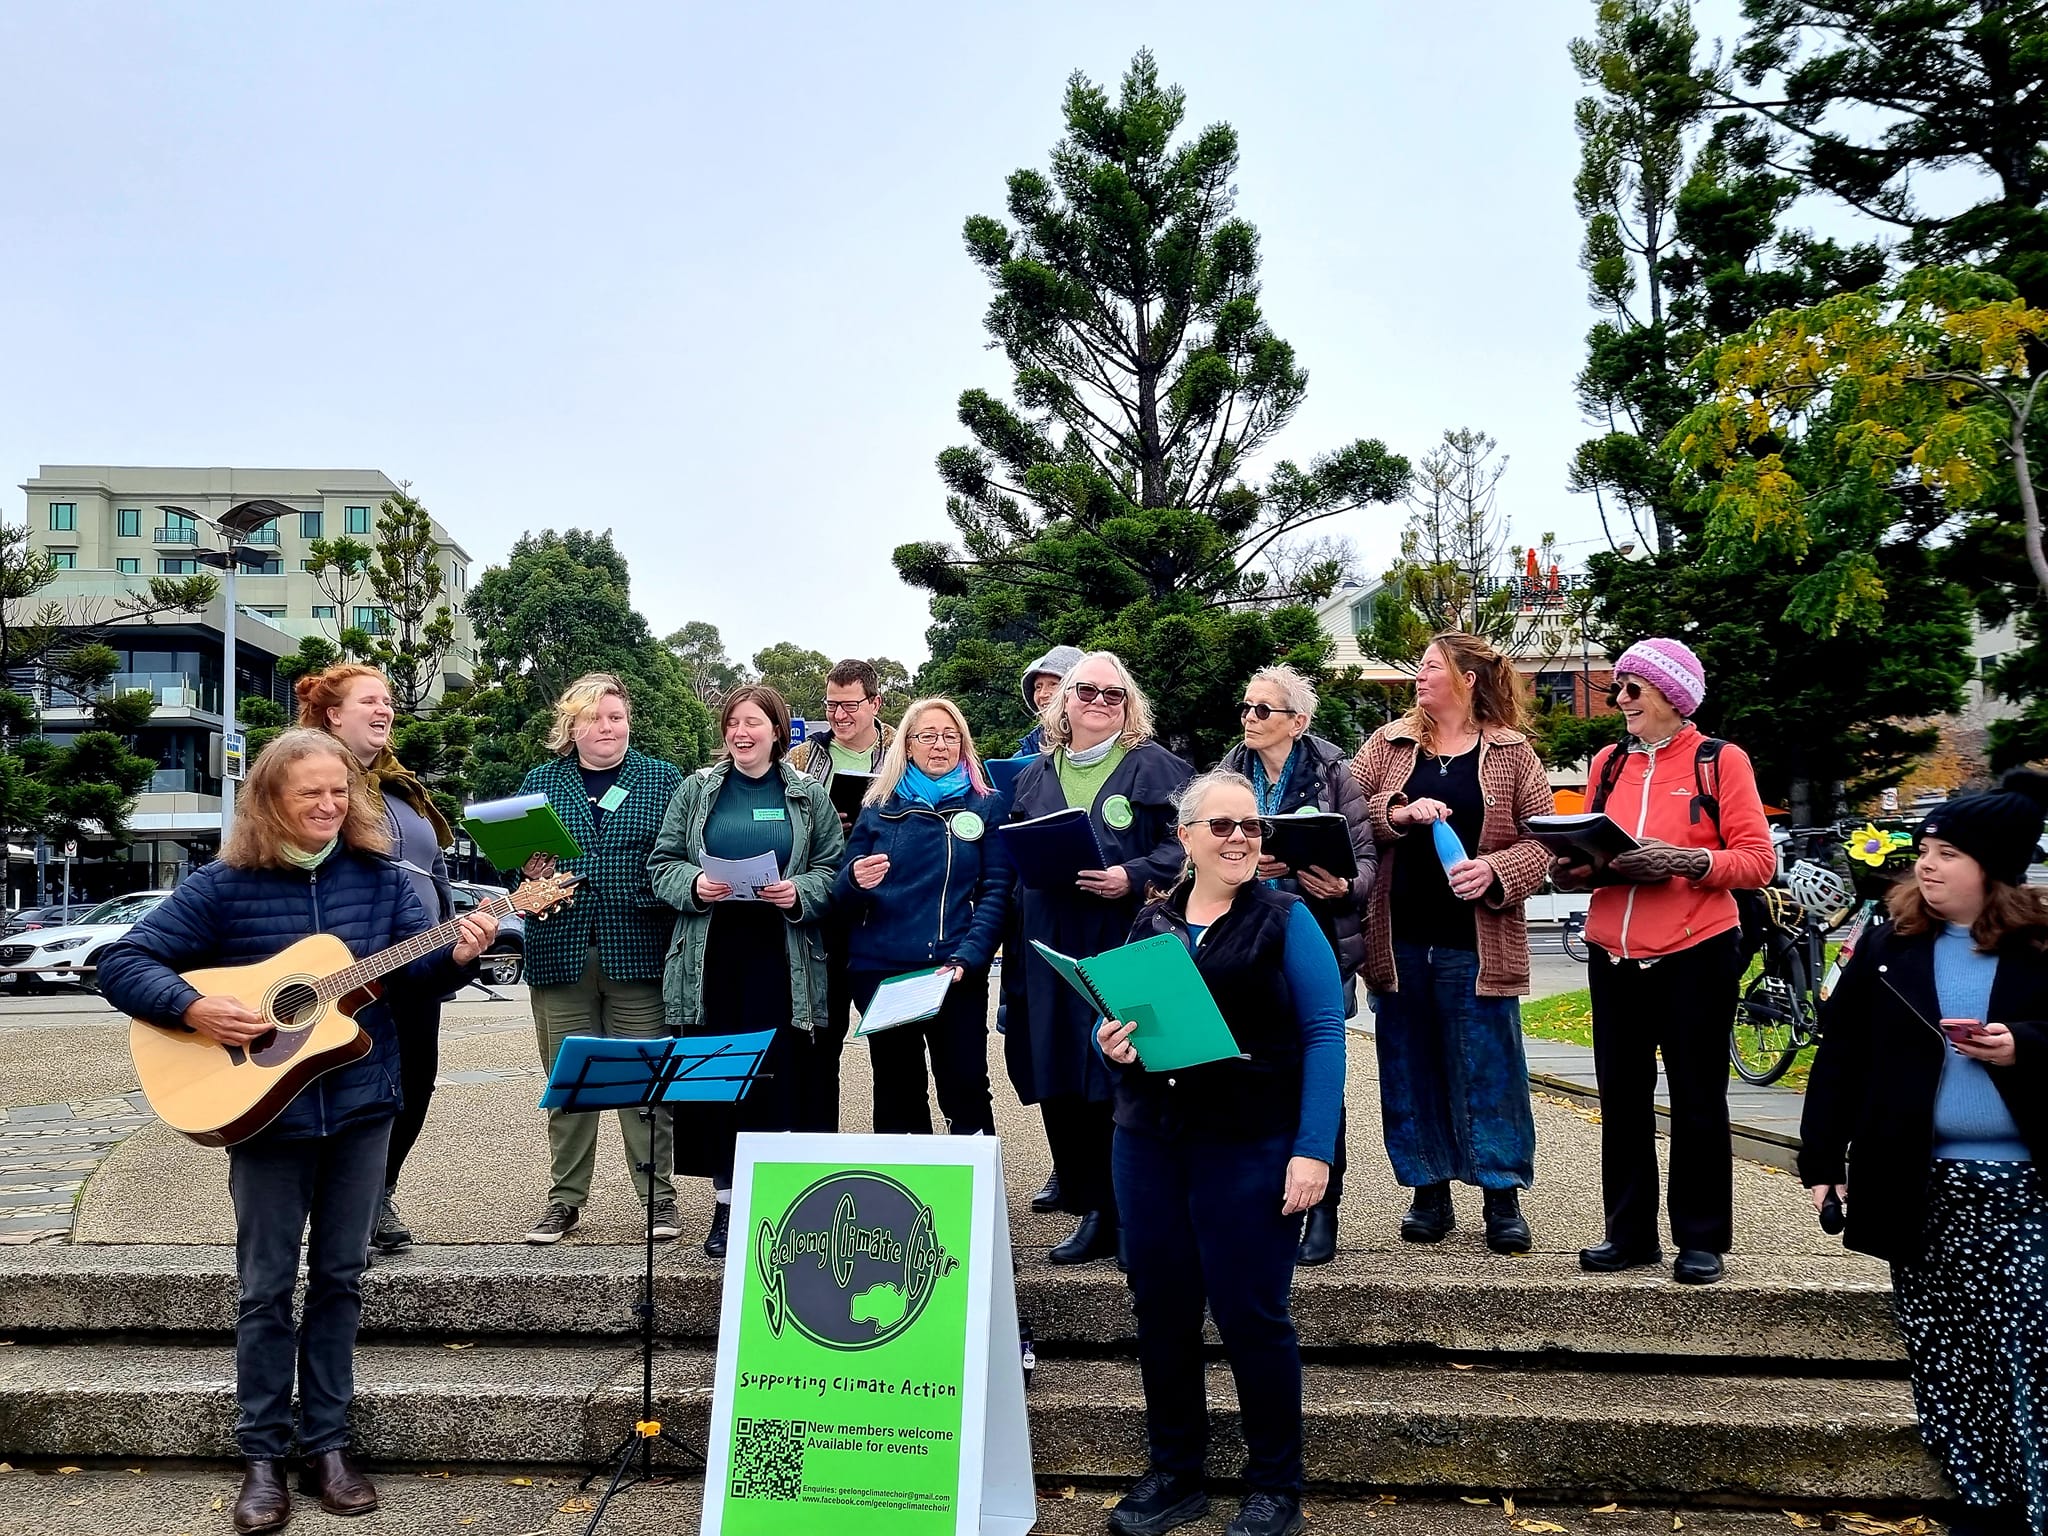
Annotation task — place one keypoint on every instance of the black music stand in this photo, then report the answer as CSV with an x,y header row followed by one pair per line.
x,y
594,1073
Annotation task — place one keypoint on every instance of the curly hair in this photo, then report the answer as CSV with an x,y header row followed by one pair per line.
x,y
318,692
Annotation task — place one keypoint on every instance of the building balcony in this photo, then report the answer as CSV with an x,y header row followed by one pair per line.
x,y
170,690
267,534
177,533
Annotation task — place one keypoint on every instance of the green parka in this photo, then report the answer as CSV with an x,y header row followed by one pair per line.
x,y
816,845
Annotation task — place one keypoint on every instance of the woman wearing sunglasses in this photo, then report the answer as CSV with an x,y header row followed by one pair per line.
x,y
1292,771
1665,937
1099,755
1927,1118
925,883
1216,1164
1447,953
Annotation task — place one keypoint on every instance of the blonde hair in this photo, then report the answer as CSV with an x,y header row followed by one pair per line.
x,y
1188,803
897,758
261,826
1059,731
1497,694
579,702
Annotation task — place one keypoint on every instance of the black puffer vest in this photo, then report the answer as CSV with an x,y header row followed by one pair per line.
x,y
1240,957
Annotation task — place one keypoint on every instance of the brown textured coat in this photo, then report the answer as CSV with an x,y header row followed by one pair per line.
x,y
1511,778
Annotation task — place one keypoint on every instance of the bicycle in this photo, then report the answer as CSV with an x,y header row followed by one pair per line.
x,y
1573,936
1778,1015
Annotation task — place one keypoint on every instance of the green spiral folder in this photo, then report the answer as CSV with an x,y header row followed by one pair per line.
x,y
1155,983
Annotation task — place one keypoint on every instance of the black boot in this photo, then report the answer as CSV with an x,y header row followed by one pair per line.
x,y
721,1221
1507,1230
1094,1238
1612,1257
1048,1198
1430,1215
263,1503
1318,1236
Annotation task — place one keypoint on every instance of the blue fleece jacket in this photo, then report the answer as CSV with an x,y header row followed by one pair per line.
x,y
947,893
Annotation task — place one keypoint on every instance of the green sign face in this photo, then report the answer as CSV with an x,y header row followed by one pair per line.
x,y
846,1412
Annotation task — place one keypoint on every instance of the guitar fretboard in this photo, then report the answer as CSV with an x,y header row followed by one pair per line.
x,y
385,961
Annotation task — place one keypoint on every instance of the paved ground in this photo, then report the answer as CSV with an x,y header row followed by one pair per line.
x,y
479,1174
165,1499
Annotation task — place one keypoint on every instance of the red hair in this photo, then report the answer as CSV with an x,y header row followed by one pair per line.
x,y
319,692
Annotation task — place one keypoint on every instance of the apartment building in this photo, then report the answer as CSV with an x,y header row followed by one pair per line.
x,y
107,529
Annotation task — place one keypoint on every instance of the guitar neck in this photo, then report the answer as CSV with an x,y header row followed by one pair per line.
x,y
385,961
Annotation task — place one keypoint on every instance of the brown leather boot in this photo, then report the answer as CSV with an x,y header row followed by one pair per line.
x,y
264,1504
338,1483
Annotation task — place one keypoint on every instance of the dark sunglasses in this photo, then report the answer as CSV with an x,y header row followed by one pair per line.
x,y
1088,693
1254,828
1262,711
1632,689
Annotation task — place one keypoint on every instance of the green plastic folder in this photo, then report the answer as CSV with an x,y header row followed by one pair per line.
x,y
509,832
1154,982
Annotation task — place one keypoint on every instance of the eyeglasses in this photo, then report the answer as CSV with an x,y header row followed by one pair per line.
x,y
933,738
1254,828
1088,693
1262,711
1632,689
846,706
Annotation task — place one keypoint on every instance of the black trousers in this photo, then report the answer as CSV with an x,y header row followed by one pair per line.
x,y
819,1106
1683,1005
419,1063
1333,1192
957,1038
1078,1132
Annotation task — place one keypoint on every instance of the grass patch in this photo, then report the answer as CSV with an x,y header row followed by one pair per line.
x,y
1568,1016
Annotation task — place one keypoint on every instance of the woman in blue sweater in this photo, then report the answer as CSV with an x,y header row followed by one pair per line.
x,y
1927,1118
1214,1166
925,882
307,855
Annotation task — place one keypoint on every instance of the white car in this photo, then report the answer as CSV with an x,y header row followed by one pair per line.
x,y
57,954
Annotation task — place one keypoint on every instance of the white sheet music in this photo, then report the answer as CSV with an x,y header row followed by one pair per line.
x,y
745,876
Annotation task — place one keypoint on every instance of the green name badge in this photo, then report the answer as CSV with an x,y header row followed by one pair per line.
x,y
967,827
612,798
769,813
1116,810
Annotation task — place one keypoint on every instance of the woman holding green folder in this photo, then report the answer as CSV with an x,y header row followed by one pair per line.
x,y
1100,755
595,968
1215,1164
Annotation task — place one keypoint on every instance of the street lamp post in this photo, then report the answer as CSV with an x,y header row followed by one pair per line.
x,y
234,526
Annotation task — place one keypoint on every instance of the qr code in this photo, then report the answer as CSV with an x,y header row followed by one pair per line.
x,y
768,1459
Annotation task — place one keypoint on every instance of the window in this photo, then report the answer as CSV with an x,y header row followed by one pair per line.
x,y
305,565
309,524
128,567
177,529
63,516
1555,690
128,523
323,611
177,567
64,559
358,519
273,566
461,578
265,612
372,620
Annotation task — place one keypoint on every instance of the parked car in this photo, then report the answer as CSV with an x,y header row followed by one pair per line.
x,y
50,955
505,961
31,918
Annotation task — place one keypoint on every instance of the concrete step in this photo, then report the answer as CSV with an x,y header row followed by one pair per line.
x,y
1818,1314
1554,1432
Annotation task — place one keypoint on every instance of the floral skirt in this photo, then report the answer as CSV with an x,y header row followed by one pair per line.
x,y
1974,1311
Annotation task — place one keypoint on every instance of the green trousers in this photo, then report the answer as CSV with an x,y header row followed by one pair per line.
x,y
619,1010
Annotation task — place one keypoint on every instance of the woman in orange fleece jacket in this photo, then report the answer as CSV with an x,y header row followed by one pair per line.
x,y
1665,965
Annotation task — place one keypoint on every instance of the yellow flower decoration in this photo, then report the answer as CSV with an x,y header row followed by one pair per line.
x,y
1867,845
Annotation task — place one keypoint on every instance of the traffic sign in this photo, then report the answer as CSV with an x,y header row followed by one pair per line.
x,y
234,747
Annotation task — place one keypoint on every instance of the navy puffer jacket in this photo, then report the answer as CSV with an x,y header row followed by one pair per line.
x,y
226,916
947,893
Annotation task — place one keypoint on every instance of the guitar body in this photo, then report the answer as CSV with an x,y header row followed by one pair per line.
x,y
220,1095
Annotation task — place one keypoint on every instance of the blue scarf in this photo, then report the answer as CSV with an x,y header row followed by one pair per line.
x,y
918,785
1268,795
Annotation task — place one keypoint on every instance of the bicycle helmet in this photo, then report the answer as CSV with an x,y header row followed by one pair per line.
x,y
1819,888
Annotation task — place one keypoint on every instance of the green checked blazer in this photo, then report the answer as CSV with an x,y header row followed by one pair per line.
x,y
616,900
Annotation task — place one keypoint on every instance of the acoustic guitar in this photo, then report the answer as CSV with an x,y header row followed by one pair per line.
x,y
223,1094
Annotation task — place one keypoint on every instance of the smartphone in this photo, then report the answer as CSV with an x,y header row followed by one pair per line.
x,y
1961,1030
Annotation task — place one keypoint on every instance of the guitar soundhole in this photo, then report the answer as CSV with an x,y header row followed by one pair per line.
x,y
295,1005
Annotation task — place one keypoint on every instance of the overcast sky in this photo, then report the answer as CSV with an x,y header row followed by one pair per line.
x,y
694,273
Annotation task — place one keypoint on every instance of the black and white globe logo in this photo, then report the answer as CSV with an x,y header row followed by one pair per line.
x,y
851,1263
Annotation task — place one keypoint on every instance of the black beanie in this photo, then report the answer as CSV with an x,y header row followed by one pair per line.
x,y
2000,829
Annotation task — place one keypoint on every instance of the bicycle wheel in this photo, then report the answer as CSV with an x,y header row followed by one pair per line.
x,y
1765,1036
1574,940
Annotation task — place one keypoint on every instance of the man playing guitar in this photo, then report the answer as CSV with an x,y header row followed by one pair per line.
x,y
304,857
